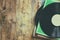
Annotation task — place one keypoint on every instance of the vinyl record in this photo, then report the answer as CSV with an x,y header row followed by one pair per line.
x,y
45,15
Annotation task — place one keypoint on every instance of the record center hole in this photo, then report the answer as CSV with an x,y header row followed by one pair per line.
x,y
56,20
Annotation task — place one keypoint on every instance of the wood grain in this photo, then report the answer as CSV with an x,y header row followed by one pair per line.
x,y
7,19
25,12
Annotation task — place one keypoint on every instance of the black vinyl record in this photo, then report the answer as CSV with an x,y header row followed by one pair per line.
x,y
44,16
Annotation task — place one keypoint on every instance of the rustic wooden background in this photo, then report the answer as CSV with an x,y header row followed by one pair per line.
x,y
8,20
17,19
25,12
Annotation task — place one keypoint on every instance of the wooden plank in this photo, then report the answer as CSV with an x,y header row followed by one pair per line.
x,y
25,12
8,19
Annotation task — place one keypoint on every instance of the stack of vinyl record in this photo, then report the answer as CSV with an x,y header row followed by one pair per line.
x,y
47,19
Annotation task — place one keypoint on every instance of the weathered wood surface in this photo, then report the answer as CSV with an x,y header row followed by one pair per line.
x,y
25,12
16,19
7,19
